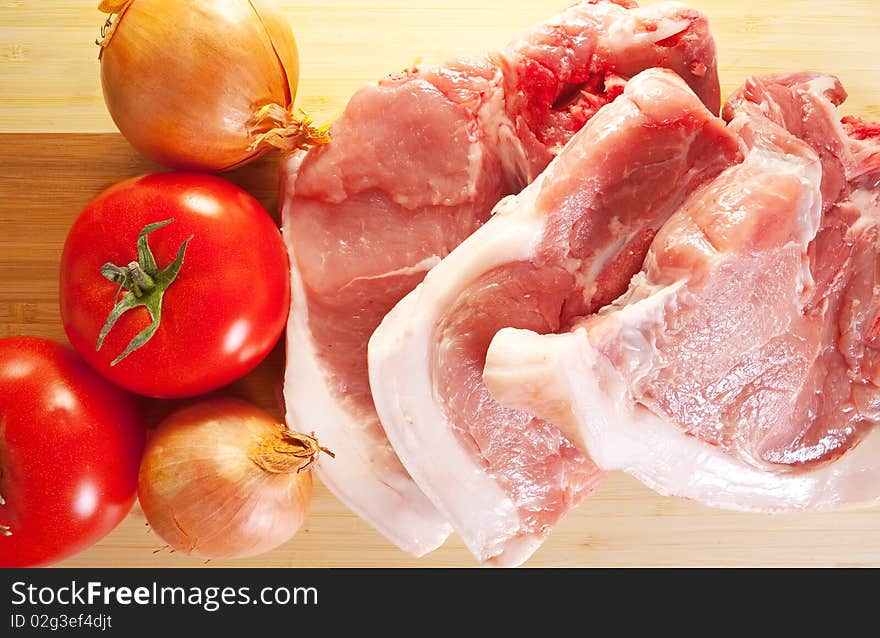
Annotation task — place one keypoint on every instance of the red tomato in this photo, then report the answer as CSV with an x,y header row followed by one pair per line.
x,y
222,314
70,447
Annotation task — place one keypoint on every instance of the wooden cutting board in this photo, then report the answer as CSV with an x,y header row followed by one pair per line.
x,y
58,149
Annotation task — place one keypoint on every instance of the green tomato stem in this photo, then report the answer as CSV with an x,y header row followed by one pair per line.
x,y
141,282
145,285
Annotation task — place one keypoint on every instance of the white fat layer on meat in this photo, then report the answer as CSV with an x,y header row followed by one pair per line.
x,y
621,24
520,374
623,435
820,85
362,472
411,408
868,204
587,278
666,16
809,173
421,266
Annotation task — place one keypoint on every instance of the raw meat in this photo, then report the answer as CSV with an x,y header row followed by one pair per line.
x,y
741,367
566,245
416,164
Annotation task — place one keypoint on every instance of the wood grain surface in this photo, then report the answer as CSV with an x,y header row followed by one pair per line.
x,y
58,150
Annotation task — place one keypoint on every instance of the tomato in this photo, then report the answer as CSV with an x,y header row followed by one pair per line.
x,y
220,316
70,447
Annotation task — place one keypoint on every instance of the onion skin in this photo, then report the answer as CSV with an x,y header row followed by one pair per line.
x,y
217,480
184,79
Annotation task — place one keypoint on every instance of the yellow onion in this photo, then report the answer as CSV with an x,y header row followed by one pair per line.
x,y
222,479
202,84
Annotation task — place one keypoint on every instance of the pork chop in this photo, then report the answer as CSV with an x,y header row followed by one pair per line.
x,y
567,244
741,367
415,165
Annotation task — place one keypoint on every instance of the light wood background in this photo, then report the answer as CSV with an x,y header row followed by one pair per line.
x,y
49,89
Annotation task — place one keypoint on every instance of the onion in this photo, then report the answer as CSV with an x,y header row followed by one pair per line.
x,y
222,479
202,84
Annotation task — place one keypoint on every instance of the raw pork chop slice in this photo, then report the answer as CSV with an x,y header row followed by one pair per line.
x,y
415,165
567,244
741,368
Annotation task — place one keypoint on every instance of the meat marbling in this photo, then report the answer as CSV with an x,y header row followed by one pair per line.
x,y
415,165
741,368
566,245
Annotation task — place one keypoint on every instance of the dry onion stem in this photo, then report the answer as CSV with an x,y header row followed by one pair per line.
x,y
287,452
289,133
222,479
203,85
